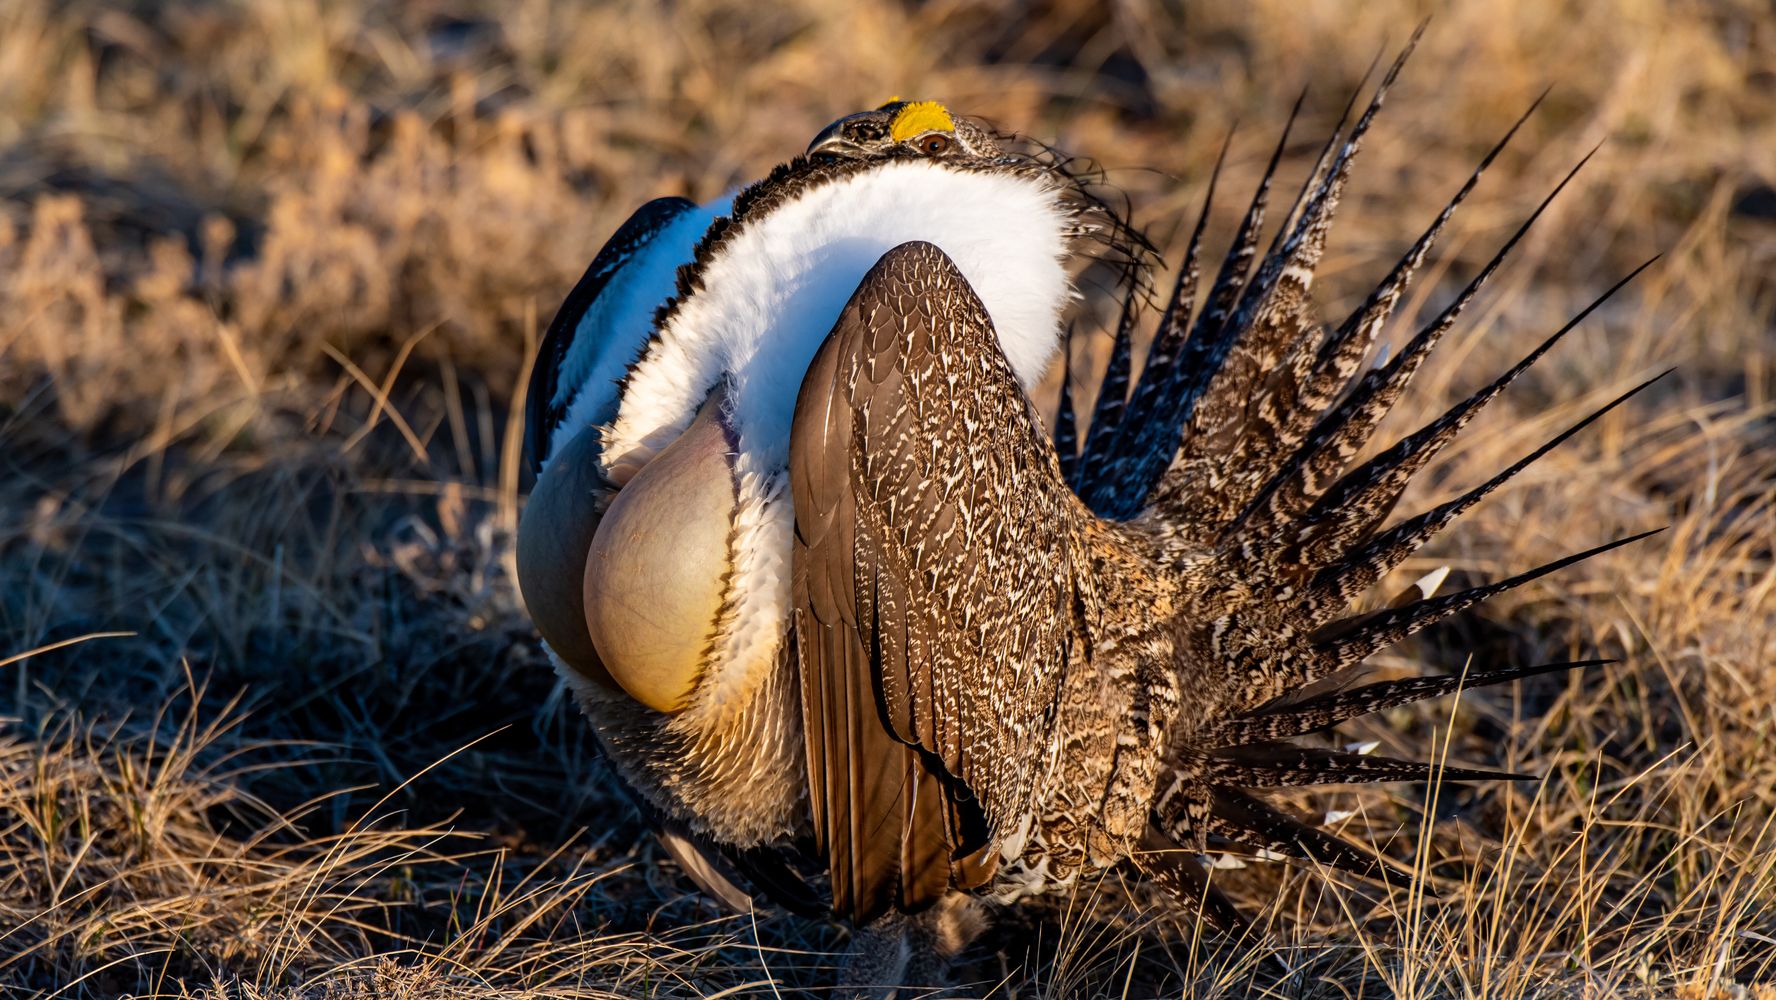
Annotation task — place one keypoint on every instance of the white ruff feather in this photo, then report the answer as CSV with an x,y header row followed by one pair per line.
x,y
613,330
772,296
767,302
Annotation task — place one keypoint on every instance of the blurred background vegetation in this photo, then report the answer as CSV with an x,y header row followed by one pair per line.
x,y
273,722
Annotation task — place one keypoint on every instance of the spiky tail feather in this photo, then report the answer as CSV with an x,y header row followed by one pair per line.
x,y
1233,450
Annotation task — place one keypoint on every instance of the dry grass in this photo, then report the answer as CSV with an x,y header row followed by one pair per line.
x,y
269,274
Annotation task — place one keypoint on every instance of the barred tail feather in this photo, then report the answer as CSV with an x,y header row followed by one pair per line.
x,y
1122,473
1066,425
1233,451
1339,582
1351,640
1174,867
1254,824
1286,765
1341,433
1359,500
1160,372
1265,724
1113,390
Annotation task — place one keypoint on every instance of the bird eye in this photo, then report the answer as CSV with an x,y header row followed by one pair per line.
x,y
933,145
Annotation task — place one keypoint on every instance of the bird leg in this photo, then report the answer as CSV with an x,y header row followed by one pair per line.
x,y
902,955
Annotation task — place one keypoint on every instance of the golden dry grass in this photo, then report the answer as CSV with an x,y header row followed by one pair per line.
x,y
269,275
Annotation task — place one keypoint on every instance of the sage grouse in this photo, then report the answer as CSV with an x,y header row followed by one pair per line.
x,y
821,581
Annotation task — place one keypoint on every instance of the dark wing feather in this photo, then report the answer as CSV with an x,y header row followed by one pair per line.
x,y
542,412
933,579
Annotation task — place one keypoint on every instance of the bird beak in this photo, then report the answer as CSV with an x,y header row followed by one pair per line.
x,y
831,142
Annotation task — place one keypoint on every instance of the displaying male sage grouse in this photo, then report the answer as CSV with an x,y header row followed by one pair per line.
x,y
818,576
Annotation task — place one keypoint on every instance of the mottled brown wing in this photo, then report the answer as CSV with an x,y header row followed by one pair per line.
x,y
934,573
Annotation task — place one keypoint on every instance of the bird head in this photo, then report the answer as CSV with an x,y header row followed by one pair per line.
x,y
903,128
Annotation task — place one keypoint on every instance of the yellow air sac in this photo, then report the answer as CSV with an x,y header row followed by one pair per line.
x,y
659,563
560,519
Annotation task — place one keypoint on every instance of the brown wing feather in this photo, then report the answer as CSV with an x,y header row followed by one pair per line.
x,y
933,572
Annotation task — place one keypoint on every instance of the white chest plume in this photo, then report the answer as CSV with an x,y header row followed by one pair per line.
x,y
772,295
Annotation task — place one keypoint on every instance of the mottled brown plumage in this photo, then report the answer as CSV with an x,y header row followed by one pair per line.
x,y
947,585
